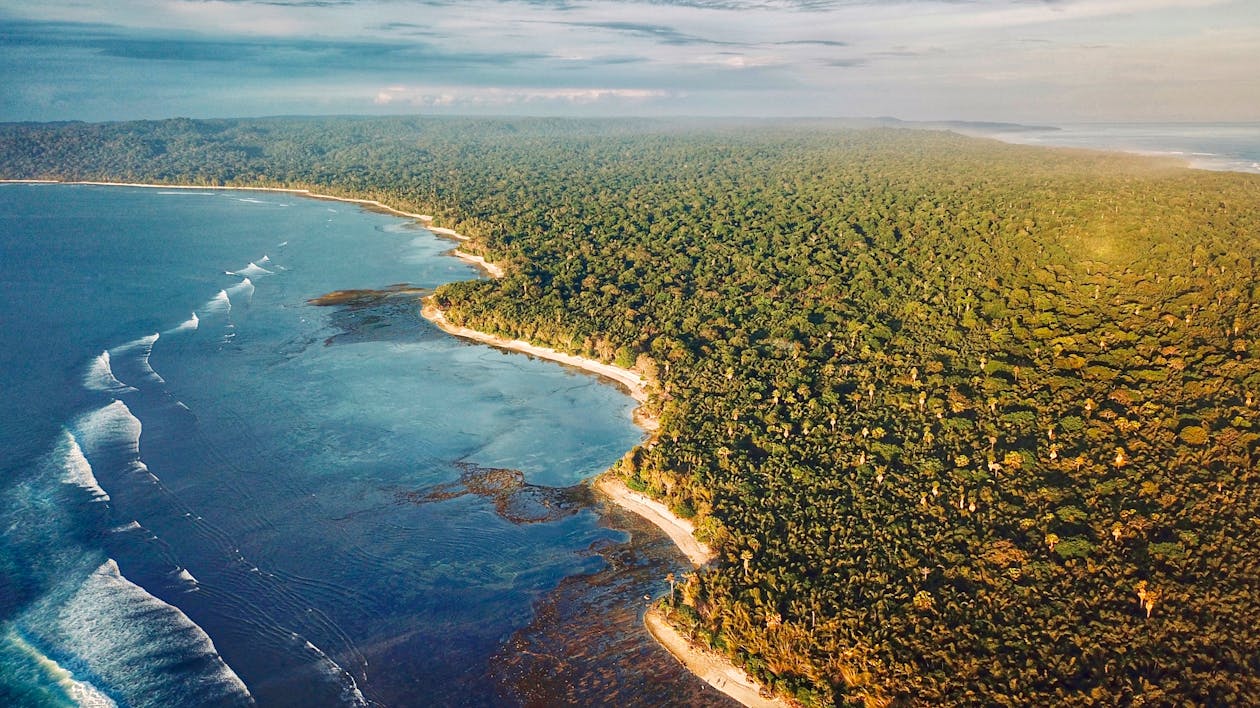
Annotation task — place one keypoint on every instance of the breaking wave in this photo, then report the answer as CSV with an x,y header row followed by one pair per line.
x,y
187,577
76,469
350,692
144,650
100,377
253,270
243,289
111,428
188,325
81,692
218,305
144,349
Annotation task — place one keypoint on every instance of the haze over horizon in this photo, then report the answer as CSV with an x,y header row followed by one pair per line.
x,y
1038,61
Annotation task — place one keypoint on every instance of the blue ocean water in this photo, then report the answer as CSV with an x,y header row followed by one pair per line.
x,y
215,493
1233,147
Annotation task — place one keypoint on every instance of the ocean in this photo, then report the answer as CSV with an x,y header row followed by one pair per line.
x,y
1233,147
216,493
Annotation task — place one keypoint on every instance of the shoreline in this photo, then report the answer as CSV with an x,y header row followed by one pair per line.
x,y
1183,158
299,192
680,531
426,221
711,668
631,381
302,192
715,670
491,269
708,667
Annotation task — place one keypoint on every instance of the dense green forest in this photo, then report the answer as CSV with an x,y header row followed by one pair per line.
x,y
967,423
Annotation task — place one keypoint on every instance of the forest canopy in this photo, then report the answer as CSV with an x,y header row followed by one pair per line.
x,y
966,422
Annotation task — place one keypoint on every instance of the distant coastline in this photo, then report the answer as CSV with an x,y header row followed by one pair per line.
x,y
1216,147
426,220
715,670
222,188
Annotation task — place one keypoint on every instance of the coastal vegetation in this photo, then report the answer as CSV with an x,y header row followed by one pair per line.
x,y
964,422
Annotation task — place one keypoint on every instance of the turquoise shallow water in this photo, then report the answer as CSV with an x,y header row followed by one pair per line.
x,y
243,508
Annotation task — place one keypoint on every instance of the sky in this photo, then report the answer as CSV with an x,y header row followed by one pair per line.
x,y
1029,61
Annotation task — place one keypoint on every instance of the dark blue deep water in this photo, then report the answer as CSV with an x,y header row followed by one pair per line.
x,y
213,492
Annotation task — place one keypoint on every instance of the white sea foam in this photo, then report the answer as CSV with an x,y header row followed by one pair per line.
x,y
188,325
75,468
100,377
111,427
83,693
143,347
242,290
147,650
218,305
253,270
350,692
139,466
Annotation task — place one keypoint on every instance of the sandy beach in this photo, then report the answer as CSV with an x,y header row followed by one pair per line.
x,y
713,669
632,381
442,231
491,269
680,531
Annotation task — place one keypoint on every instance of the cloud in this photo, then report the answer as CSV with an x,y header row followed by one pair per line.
x,y
735,60
277,53
978,59
659,33
845,63
811,43
471,96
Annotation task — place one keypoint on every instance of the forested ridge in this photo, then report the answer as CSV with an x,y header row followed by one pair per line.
x,y
967,423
